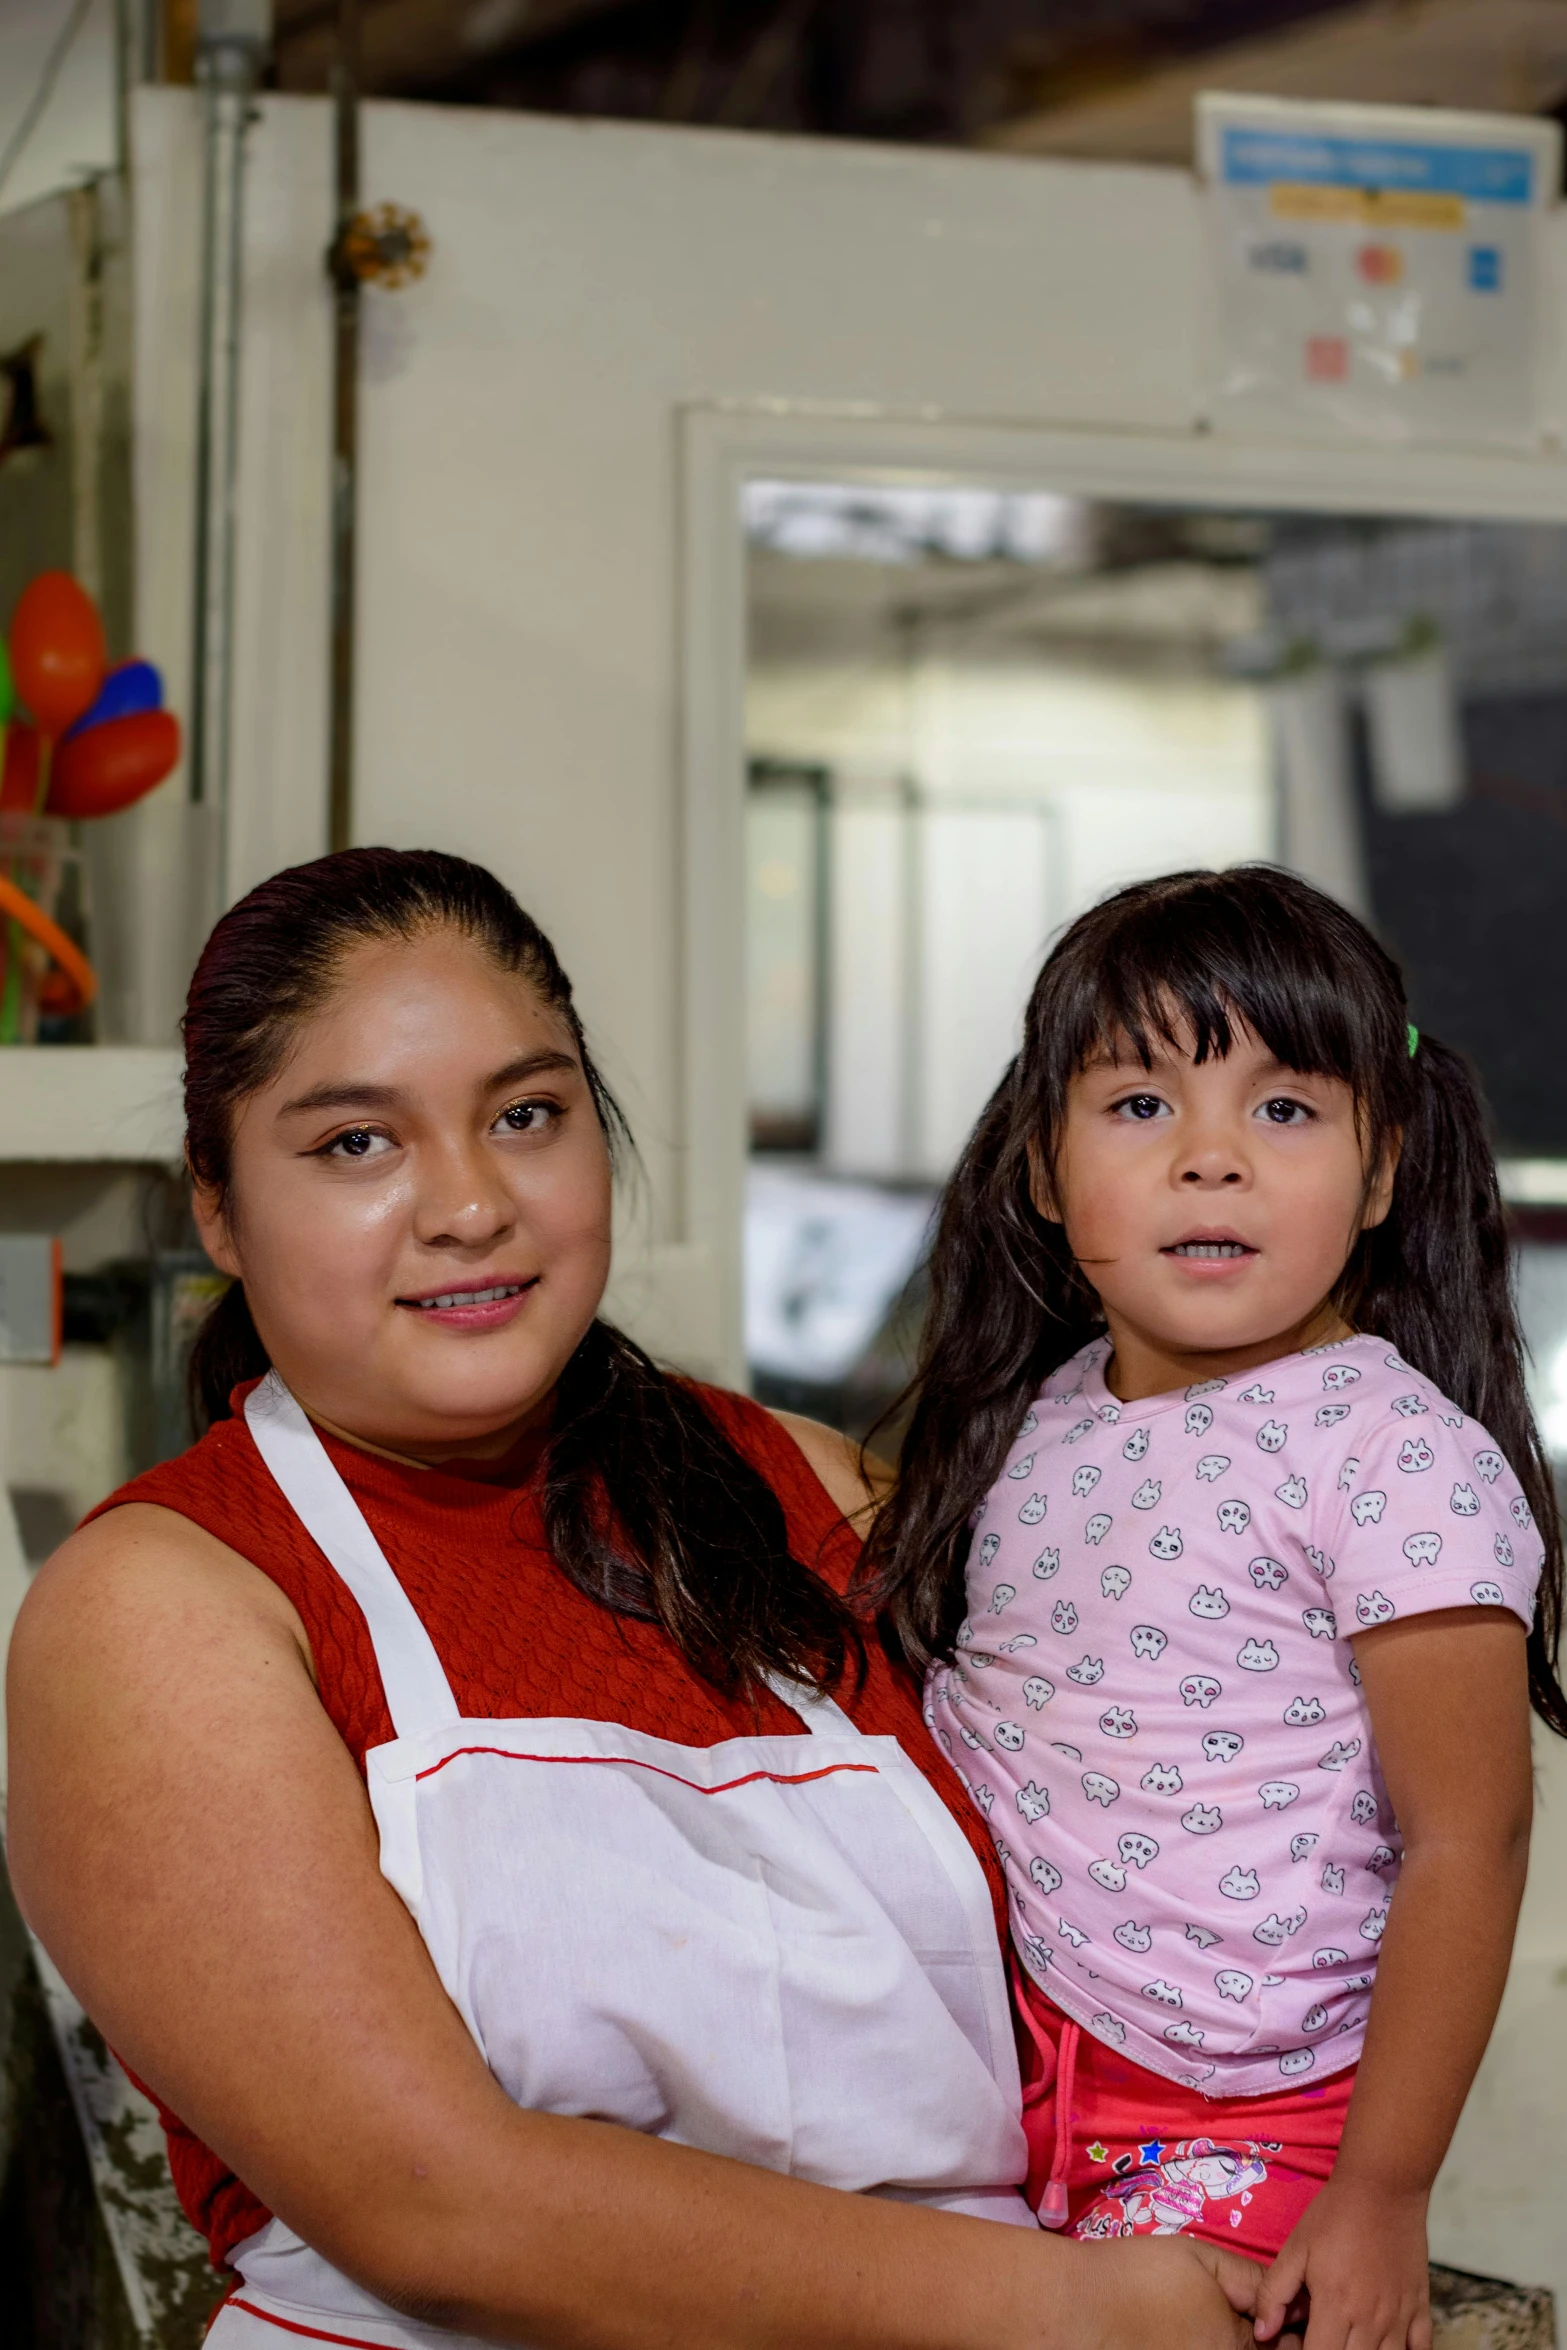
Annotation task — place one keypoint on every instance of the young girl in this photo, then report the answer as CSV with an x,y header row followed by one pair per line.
x,y
1227,1537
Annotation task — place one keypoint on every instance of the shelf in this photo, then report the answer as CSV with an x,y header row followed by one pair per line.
x,y
107,1102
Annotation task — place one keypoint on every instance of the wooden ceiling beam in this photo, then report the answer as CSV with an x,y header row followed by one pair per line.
x,y
410,45
1497,56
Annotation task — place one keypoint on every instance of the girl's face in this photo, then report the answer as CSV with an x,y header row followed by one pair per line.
x,y
420,1205
1213,1206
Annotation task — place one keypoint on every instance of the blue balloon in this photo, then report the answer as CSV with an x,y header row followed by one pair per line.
x,y
126,691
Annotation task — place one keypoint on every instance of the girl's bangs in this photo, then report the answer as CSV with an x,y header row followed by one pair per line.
x,y
1185,972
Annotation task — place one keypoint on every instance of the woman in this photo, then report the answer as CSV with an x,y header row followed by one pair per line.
x,y
641,1846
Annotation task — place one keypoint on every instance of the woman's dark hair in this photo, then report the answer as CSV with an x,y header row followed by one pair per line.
x,y
1181,959
648,1507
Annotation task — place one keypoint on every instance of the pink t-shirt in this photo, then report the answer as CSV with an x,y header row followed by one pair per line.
x,y
1156,1705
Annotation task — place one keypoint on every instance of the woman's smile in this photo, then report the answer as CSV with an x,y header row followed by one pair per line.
x,y
487,1305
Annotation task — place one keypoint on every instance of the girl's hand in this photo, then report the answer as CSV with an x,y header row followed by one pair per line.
x,y
1358,2257
1164,2293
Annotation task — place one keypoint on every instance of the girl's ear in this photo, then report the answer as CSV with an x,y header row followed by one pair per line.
x,y
1040,1189
212,1227
1380,1196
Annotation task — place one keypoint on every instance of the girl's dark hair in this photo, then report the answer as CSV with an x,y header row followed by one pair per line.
x,y
648,1507
1181,959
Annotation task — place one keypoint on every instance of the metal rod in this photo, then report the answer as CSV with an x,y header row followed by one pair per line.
x,y
232,44
345,432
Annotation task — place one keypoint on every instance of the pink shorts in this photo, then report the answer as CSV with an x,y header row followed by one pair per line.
x,y
1137,2155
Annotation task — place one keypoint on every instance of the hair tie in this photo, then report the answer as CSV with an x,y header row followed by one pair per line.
x,y
1414,1039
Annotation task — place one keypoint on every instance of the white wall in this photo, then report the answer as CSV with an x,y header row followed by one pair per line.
x,y
520,430
591,286
520,693
76,133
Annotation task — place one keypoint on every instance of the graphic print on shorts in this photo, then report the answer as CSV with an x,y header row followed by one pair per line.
x,y
1157,1709
1162,2190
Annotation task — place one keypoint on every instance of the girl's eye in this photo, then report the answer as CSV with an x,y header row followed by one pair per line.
x,y
357,1142
1281,1111
1141,1106
527,1118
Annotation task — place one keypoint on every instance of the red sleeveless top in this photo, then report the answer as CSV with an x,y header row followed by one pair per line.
x,y
514,1635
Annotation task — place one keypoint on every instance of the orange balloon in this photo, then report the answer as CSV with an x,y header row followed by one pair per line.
x,y
19,781
58,656
105,769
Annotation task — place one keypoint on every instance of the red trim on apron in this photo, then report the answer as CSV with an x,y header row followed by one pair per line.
x,y
632,1762
312,2333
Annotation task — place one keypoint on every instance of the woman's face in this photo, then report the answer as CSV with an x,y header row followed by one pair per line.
x,y
420,1204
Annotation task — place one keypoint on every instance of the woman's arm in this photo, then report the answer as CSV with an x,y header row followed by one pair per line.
x,y
1449,1702
191,1840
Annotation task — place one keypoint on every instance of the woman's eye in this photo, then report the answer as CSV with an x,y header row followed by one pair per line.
x,y
357,1142
527,1118
1280,1111
1141,1106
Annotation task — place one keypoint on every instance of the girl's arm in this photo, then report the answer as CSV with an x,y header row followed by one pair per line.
x,y
1449,1703
190,1838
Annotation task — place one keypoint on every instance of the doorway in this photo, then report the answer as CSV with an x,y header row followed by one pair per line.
x,y
970,712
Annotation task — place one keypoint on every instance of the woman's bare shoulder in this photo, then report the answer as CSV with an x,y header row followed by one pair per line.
x,y
117,1587
858,1482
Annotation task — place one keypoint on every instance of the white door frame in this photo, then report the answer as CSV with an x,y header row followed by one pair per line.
x,y
723,447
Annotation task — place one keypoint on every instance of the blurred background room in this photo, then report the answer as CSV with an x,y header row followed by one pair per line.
x,y
814,493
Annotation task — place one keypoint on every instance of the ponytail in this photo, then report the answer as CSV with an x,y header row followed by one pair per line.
x,y
650,1510
227,1352
1007,1306
1435,1278
1181,960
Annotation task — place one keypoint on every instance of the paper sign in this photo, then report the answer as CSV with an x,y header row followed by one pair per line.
x,y
1375,268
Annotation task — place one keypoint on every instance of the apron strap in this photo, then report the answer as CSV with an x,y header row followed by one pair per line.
x,y
418,1694
821,1714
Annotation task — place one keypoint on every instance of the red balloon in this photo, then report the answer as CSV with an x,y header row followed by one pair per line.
x,y
19,780
105,769
58,656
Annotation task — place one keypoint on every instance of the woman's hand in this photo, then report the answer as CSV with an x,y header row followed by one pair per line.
x,y
1166,2293
1358,2255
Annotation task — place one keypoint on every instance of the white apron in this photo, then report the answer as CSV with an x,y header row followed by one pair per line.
x,y
774,1949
